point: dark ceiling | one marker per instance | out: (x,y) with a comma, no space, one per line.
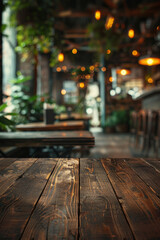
(72,18)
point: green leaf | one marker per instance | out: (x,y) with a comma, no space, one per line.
(2,107)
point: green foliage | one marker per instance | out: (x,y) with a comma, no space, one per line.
(5,123)
(29,108)
(117,117)
(102,39)
(34,24)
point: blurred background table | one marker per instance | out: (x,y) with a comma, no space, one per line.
(58,126)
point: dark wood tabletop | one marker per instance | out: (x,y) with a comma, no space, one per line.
(57,126)
(88,199)
(75,116)
(46,138)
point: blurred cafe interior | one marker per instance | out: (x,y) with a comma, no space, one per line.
(96,63)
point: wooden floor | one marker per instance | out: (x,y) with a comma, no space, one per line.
(87,199)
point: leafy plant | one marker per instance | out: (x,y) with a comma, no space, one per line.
(102,39)
(117,117)
(29,108)
(5,123)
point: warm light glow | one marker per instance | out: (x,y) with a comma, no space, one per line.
(111,79)
(88,76)
(108,51)
(91,68)
(64,68)
(150,61)
(150,80)
(135,53)
(58,69)
(60,57)
(123,72)
(83,69)
(103,69)
(109,22)
(81,85)
(158,28)
(74,51)
(63,91)
(97,15)
(131,33)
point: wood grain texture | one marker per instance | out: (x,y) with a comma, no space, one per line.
(18,202)
(101,216)
(147,173)
(140,205)
(56,214)
(5,162)
(153,162)
(9,175)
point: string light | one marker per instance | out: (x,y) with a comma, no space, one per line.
(74,51)
(91,68)
(103,69)
(135,53)
(83,69)
(109,22)
(108,51)
(58,69)
(150,80)
(131,33)
(97,15)
(63,92)
(60,57)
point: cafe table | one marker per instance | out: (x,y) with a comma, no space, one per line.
(57,126)
(72,198)
(61,142)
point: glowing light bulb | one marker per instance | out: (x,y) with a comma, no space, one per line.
(60,57)
(74,51)
(131,33)
(63,92)
(97,15)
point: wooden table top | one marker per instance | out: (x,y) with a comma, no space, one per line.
(44,138)
(75,116)
(79,199)
(41,126)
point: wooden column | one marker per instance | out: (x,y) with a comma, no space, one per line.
(102,92)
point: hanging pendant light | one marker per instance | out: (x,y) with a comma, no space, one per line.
(149,60)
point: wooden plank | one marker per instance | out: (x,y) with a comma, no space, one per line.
(10,174)
(147,173)
(5,162)
(153,162)
(18,202)
(140,205)
(56,214)
(101,216)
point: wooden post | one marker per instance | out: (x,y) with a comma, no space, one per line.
(102,92)
(1,73)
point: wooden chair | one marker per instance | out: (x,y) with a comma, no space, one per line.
(133,126)
(156,137)
(141,130)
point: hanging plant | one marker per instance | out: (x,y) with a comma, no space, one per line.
(101,39)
